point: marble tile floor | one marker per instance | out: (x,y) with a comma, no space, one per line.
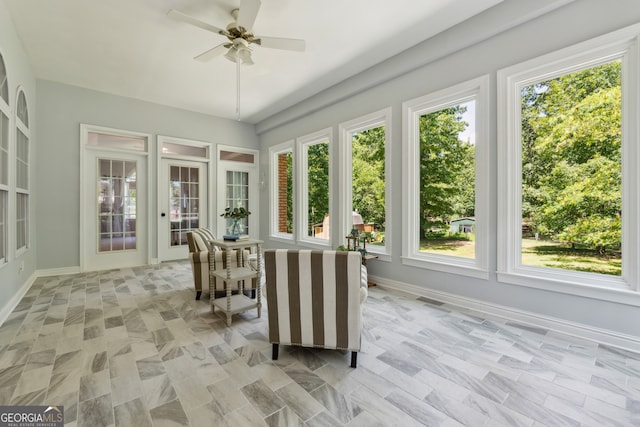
(132,347)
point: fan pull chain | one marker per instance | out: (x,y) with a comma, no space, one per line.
(237,87)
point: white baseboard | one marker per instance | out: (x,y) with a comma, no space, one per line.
(604,336)
(10,305)
(49,272)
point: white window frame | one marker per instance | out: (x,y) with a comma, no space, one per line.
(476,89)
(346,130)
(620,45)
(300,212)
(5,188)
(274,217)
(24,129)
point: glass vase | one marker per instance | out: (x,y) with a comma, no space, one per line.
(236,228)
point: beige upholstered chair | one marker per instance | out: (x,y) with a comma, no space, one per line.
(199,258)
(314,299)
(205,258)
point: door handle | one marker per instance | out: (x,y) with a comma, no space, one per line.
(163,214)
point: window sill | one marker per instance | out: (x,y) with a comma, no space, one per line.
(462,267)
(609,290)
(316,244)
(382,255)
(23,250)
(284,238)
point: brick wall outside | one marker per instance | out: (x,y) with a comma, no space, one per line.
(282,193)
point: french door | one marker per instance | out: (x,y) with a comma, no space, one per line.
(238,187)
(115,217)
(183,205)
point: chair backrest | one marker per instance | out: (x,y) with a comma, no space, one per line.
(209,236)
(197,241)
(314,298)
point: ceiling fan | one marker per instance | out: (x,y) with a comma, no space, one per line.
(239,34)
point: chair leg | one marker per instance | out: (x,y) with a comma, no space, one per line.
(198,293)
(354,358)
(274,352)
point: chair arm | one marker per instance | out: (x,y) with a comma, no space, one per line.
(364,284)
(201,257)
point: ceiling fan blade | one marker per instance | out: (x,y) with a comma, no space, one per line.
(297,45)
(179,16)
(248,13)
(211,53)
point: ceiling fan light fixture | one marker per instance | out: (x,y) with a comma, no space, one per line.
(240,36)
(239,52)
(231,55)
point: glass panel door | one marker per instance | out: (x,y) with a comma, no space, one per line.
(238,188)
(182,205)
(237,196)
(184,202)
(117,197)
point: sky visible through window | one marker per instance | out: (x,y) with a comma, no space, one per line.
(469,116)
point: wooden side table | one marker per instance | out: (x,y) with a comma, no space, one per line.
(232,304)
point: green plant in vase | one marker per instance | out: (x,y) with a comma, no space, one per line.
(236,214)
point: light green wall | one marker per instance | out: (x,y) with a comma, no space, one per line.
(61,110)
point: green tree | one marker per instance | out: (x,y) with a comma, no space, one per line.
(447,172)
(368,175)
(318,182)
(571,145)
(289,157)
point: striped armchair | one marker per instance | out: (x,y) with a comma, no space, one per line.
(204,258)
(314,299)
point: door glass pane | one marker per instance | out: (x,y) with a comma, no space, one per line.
(238,197)
(117,197)
(184,203)
(117,141)
(184,150)
(237,157)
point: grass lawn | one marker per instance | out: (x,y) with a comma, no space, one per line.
(543,253)
(538,253)
(461,248)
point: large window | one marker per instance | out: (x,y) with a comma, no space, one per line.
(282,190)
(22,173)
(314,223)
(446,179)
(568,203)
(4,160)
(364,168)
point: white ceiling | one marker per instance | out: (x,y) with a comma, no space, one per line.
(131,48)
